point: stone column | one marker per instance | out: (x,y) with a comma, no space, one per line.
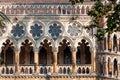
(112,69)
(55,52)
(106,68)
(36,61)
(17,61)
(118,70)
(94,61)
(74,61)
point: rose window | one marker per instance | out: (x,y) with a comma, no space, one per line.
(55,30)
(36,31)
(74,30)
(18,31)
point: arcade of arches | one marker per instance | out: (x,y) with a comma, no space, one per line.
(46,54)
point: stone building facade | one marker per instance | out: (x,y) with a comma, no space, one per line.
(46,41)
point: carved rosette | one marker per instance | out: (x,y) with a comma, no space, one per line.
(18,31)
(55,30)
(74,29)
(36,31)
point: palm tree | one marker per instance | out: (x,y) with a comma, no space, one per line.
(3,19)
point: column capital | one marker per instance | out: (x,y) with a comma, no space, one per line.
(55,49)
(74,49)
(36,49)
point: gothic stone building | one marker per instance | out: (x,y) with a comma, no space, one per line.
(46,41)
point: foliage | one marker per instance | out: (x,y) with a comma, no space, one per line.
(3,19)
(101,10)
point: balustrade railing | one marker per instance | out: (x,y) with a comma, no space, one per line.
(7,70)
(65,69)
(44,9)
(24,69)
(30,69)
(83,69)
(45,69)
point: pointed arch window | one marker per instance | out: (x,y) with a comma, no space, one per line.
(115,70)
(8,52)
(83,53)
(114,42)
(26,53)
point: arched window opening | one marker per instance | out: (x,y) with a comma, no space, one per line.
(115,43)
(68,71)
(7,53)
(64,10)
(45,70)
(45,53)
(60,70)
(115,68)
(30,70)
(43,56)
(64,70)
(79,70)
(105,43)
(67,56)
(59,10)
(83,71)
(3,71)
(68,10)
(78,10)
(78,56)
(22,70)
(41,71)
(109,67)
(31,56)
(11,71)
(83,10)
(119,45)
(83,54)
(8,10)
(87,71)
(109,42)
(26,53)
(101,69)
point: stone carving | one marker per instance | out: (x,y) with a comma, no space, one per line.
(55,30)
(2,31)
(36,31)
(18,31)
(64,44)
(74,29)
(46,45)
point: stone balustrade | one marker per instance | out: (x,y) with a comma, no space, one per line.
(29,69)
(44,9)
(26,69)
(9,70)
(45,69)
(83,69)
(66,69)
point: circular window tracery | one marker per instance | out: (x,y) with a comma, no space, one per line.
(36,31)
(55,30)
(74,29)
(18,31)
